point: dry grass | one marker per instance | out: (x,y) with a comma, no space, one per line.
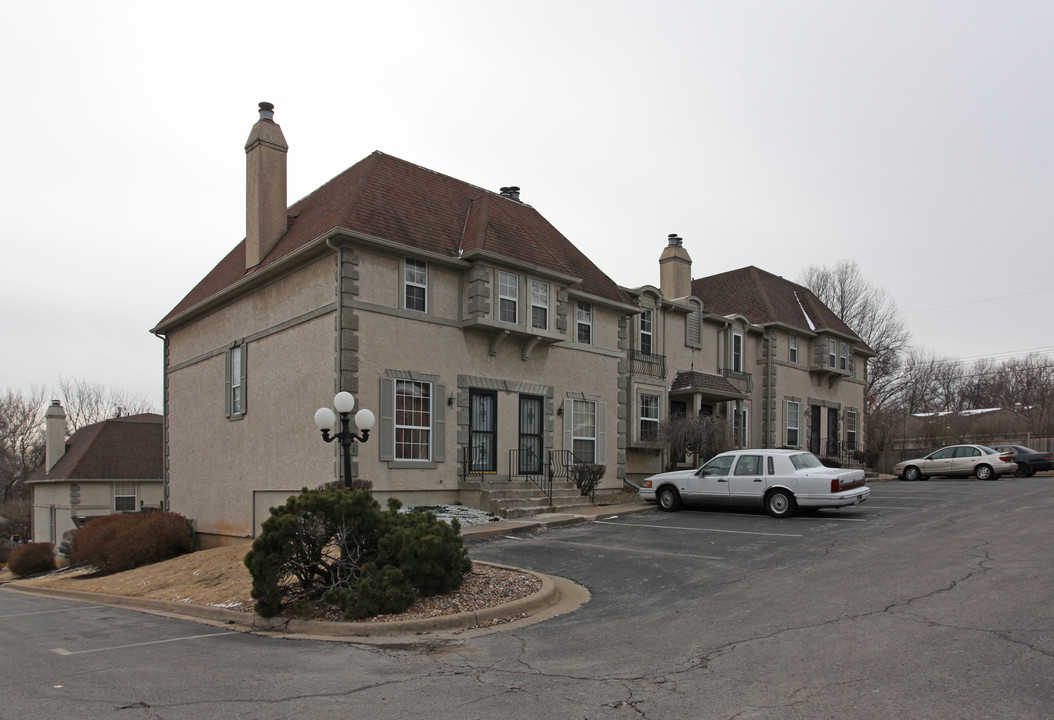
(219,578)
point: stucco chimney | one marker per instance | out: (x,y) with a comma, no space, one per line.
(675,269)
(55,432)
(265,193)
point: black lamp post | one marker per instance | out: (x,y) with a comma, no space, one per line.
(326,419)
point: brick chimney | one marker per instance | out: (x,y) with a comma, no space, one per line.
(675,269)
(55,435)
(265,195)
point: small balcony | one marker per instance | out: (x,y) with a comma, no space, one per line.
(647,364)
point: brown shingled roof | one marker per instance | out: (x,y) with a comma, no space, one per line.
(126,448)
(388,198)
(764,298)
(706,382)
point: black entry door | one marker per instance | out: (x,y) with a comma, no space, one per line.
(814,428)
(530,445)
(483,431)
(832,431)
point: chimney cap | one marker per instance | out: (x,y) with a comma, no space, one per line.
(266,111)
(511,192)
(672,239)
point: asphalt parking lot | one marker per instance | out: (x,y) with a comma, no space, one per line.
(930,600)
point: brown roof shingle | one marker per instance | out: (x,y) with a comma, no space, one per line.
(388,198)
(127,448)
(764,298)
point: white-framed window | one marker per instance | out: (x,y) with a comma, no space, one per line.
(415,285)
(851,421)
(125,498)
(647,320)
(792,349)
(649,418)
(793,412)
(737,352)
(413,420)
(235,399)
(743,420)
(843,356)
(584,323)
(832,353)
(508,297)
(539,305)
(584,430)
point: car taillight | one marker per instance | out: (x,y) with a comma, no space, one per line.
(840,484)
(1006,458)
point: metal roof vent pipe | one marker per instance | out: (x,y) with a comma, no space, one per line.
(512,193)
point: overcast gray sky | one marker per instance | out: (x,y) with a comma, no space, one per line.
(914,137)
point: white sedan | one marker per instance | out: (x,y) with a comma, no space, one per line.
(780,480)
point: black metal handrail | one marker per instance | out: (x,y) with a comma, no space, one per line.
(526,463)
(642,363)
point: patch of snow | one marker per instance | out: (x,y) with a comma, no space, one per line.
(462,513)
(807,318)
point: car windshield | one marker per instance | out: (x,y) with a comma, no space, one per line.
(802,461)
(987,450)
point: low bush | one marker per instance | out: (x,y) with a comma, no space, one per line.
(115,543)
(587,476)
(32,559)
(337,546)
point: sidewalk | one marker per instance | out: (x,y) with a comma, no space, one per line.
(543,521)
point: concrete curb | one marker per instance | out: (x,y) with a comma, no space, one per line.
(556,597)
(548,597)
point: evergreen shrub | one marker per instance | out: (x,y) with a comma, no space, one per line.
(337,546)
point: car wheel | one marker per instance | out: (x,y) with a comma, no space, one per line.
(780,503)
(669,499)
(984,472)
(912,473)
(1023,470)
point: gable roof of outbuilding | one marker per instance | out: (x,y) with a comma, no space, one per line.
(393,200)
(125,448)
(767,299)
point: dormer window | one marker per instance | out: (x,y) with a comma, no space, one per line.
(832,353)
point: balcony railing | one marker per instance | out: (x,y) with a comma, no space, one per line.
(641,363)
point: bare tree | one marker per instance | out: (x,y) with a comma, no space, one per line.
(87,402)
(872,314)
(21,440)
(702,436)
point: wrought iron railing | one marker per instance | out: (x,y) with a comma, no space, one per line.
(526,463)
(641,363)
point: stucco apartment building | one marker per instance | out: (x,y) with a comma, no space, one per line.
(483,340)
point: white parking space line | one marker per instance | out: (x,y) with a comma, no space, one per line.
(621,549)
(48,612)
(889,507)
(825,518)
(61,651)
(708,530)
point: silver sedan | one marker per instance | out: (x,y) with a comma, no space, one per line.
(980,461)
